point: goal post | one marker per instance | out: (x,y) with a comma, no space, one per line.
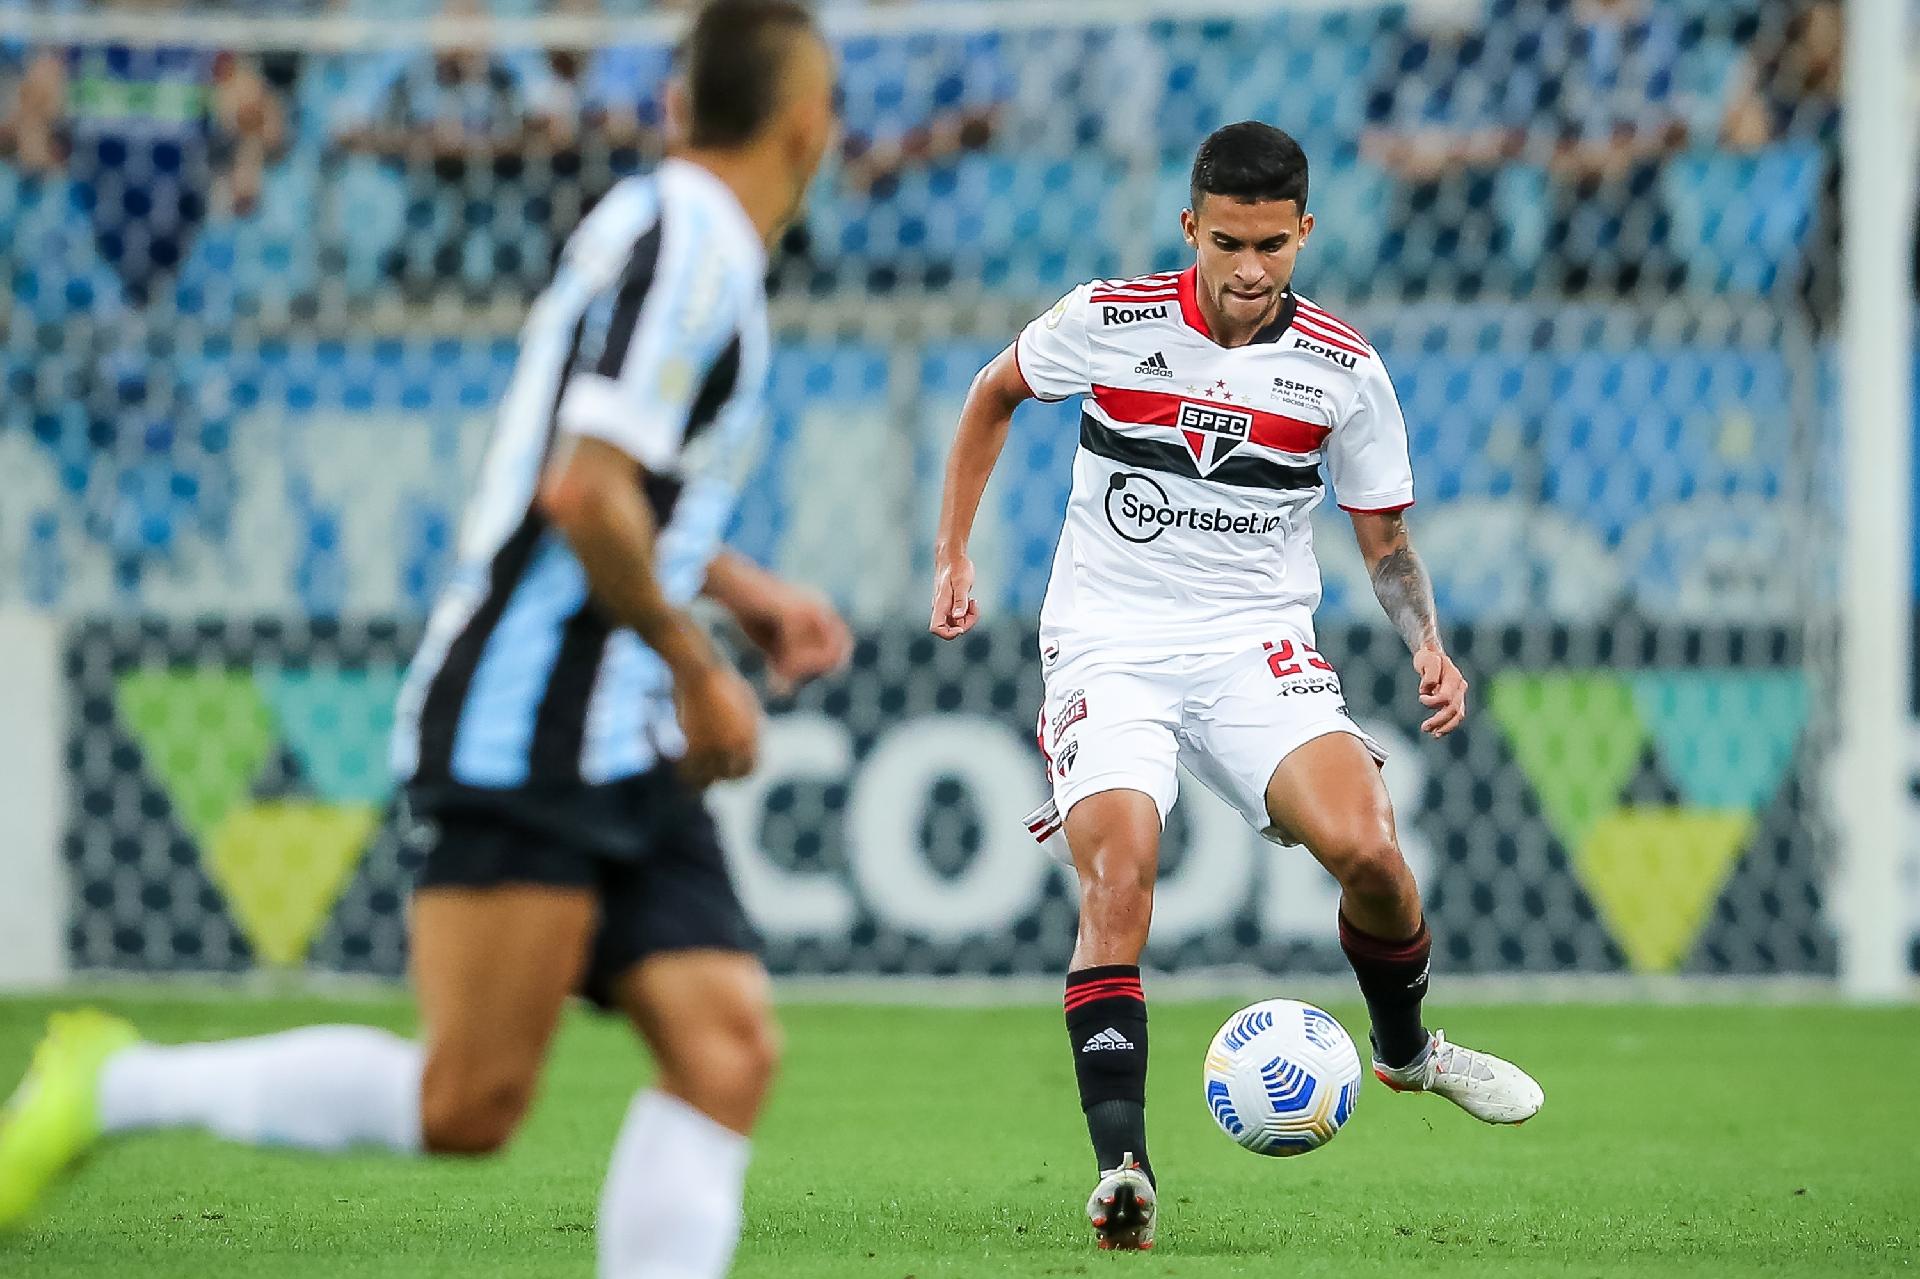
(1872,763)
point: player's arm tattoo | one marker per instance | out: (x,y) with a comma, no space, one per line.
(1405,592)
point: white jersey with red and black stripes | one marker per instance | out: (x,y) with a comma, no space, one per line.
(1199,464)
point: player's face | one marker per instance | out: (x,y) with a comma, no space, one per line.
(1245,252)
(812,122)
(809,120)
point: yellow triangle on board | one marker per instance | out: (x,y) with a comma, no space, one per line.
(1656,872)
(283,864)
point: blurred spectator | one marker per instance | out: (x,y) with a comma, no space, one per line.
(1082,87)
(623,94)
(150,141)
(146,136)
(472,131)
(1787,90)
(1613,68)
(1788,85)
(1450,112)
(913,106)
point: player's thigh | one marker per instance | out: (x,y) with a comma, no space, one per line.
(502,925)
(1111,726)
(1328,794)
(494,966)
(1255,723)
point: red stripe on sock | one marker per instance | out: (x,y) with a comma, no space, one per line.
(1356,942)
(1102,983)
(1093,992)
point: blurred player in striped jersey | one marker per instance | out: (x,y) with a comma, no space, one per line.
(1178,624)
(560,718)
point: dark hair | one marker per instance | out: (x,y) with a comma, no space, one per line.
(734,62)
(1250,161)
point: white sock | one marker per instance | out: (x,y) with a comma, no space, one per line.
(671,1205)
(319,1088)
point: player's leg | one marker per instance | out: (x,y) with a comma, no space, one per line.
(1108,732)
(1270,734)
(494,967)
(1327,793)
(672,1200)
(1115,839)
(677,956)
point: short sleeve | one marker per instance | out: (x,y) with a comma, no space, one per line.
(1052,350)
(1367,452)
(646,344)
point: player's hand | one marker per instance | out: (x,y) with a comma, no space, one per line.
(1443,689)
(803,638)
(954,608)
(721,719)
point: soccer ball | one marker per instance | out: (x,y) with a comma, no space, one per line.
(1281,1077)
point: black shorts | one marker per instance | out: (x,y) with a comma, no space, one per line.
(646,846)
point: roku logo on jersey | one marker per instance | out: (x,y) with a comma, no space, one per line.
(1112,315)
(1345,359)
(1138,510)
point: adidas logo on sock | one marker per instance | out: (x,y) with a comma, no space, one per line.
(1154,365)
(1108,1040)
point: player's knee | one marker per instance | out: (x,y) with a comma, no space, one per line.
(728,1068)
(1119,866)
(472,1109)
(1366,861)
(731,1078)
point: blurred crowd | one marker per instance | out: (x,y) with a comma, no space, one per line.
(1497,146)
(164,204)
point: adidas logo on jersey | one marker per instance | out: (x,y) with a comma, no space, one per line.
(1154,365)
(1108,1040)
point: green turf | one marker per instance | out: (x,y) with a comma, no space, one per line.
(944,1144)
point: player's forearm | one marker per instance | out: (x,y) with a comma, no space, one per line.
(750,594)
(1405,592)
(982,433)
(612,534)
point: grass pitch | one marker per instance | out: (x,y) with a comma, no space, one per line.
(918,1143)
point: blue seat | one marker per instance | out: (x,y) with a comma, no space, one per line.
(828,413)
(1469,421)
(1623,432)
(1744,222)
(1016,222)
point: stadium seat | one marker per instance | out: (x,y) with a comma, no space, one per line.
(1743,222)
(1025,224)
(1470,421)
(1623,432)
(832,471)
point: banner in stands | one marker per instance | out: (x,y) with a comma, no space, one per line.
(1625,798)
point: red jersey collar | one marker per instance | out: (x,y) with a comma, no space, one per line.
(1190,310)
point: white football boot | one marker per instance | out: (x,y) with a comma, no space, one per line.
(1490,1089)
(1122,1207)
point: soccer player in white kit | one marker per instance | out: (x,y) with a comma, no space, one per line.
(1178,623)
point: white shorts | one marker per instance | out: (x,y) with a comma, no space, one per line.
(1117,722)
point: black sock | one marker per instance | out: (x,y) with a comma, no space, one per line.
(1107,1032)
(1393,980)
